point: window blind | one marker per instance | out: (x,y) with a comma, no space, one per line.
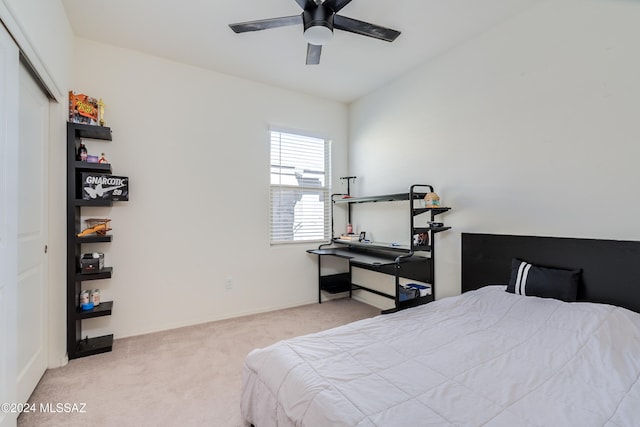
(300,193)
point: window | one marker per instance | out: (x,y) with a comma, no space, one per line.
(300,188)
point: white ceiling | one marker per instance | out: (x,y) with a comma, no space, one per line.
(196,32)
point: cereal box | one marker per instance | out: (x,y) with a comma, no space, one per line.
(83,109)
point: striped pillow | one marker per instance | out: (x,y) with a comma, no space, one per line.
(531,280)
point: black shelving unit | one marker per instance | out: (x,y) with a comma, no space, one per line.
(77,346)
(401,261)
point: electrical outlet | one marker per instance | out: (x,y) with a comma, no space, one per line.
(228,284)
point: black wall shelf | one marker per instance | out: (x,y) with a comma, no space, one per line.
(94,167)
(89,131)
(77,345)
(105,273)
(104,309)
(94,202)
(94,238)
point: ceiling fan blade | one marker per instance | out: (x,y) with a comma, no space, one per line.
(313,54)
(306,4)
(264,24)
(364,28)
(336,5)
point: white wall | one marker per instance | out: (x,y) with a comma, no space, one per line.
(195,145)
(42,32)
(530,128)
(44,36)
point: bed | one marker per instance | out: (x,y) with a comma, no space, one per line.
(485,358)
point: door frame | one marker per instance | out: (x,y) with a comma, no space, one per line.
(56,87)
(9,63)
(33,61)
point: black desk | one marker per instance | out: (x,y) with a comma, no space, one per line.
(385,259)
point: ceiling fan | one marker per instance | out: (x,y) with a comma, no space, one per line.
(319,19)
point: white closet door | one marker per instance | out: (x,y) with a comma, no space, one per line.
(33,287)
(8,222)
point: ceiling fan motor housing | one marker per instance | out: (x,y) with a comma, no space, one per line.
(318,16)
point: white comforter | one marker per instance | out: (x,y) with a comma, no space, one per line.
(483,358)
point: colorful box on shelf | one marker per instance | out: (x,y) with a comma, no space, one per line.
(96,186)
(83,109)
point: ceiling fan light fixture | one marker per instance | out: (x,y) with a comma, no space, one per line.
(318,35)
(318,25)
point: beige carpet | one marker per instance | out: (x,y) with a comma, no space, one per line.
(184,377)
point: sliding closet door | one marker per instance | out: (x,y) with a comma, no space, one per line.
(33,137)
(8,222)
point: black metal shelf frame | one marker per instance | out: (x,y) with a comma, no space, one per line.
(401,261)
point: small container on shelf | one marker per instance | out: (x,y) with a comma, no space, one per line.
(94,297)
(81,154)
(85,301)
(91,263)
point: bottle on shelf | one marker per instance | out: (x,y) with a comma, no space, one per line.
(82,153)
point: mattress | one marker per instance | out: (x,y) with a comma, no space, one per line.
(486,357)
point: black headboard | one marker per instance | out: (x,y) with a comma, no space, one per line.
(610,268)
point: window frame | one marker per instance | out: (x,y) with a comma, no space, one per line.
(275,235)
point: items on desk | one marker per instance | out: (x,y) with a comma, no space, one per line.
(351,236)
